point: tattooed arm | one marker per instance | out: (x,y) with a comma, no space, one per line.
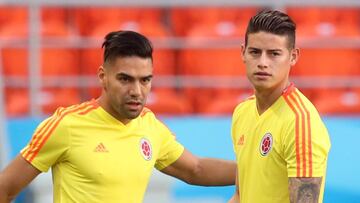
(304,190)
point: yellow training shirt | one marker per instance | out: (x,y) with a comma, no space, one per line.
(288,140)
(95,158)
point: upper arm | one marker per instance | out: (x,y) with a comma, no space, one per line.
(304,190)
(16,176)
(305,148)
(48,146)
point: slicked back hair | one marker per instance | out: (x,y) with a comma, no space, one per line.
(125,44)
(274,22)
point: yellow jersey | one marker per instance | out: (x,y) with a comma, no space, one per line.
(95,158)
(288,140)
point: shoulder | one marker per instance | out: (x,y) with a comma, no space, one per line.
(303,111)
(299,104)
(244,106)
(64,115)
(146,112)
(147,115)
(149,120)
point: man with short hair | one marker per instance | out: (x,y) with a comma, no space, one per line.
(279,139)
(104,150)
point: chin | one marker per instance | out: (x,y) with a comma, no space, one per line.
(261,84)
(133,115)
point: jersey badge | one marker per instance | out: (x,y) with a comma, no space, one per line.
(266,144)
(145,149)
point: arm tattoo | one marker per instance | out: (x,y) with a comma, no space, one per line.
(304,190)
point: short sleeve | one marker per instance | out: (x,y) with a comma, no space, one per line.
(306,147)
(48,145)
(235,117)
(170,149)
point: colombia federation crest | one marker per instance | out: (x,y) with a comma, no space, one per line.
(266,144)
(145,149)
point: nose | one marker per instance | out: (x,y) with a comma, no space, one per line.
(135,90)
(263,61)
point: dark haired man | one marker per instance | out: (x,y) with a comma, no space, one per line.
(280,141)
(104,150)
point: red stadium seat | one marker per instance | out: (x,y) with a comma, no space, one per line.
(220,23)
(165,101)
(339,101)
(337,61)
(325,21)
(217,62)
(187,19)
(54,61)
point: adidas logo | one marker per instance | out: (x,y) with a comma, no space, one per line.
(100,148)
(241,140)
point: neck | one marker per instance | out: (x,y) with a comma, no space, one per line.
(105,104)
(265,97)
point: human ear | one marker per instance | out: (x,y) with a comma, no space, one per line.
(295,53)
(101,73)
(243,48)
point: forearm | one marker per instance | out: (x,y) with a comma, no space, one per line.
(4,195)
(214,172)
(4,198)
(15,177)
(234,199)
(202,171)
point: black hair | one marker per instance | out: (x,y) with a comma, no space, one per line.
(126,43)
(274,22)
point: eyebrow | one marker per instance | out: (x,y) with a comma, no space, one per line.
(257,49)
(132,77)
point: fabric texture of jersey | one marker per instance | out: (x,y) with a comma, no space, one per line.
(288,140)
(96,158)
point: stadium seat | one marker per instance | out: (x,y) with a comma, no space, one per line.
(328,60)
(54,61)
(339,101)
(13,22)
(336,64)
(326,21)
(186,19)
(147,21)
(221,61)
(200,63)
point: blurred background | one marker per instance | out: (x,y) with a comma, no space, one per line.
(50,51)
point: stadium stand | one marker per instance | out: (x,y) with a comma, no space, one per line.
(326,62)
(54,61)
(208,49)
(213,24)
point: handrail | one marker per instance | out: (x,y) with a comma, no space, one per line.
(181,81)
(172,42)
(185,3)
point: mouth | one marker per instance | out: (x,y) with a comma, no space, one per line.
(134,105)
(262,75)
